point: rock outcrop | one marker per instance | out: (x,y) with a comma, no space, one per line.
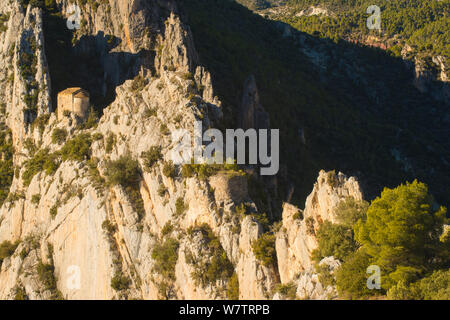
(253,114)
(24,82)
(296,239)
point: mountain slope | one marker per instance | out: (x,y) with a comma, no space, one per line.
(356,106)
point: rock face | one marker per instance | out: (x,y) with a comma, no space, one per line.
(82,238)
(24,82)
(431,76)
(296,239)
(253,114)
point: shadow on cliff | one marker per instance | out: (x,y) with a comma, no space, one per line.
(90,62)
(357,112)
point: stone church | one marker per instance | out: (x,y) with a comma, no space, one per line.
(75,100)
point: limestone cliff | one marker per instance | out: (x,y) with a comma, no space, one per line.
(79,236)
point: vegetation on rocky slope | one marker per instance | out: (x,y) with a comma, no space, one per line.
(264,250)
(126,172)
(413,21)
(6,162)
(6,250)
(213,265)
(165,255)
(400,232)
(43,160)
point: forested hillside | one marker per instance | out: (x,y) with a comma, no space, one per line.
(424,24)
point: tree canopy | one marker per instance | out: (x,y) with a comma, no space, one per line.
(402,233)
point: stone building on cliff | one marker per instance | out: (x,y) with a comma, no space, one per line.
(74,100)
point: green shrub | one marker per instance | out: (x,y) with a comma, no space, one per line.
(187,171)
(43,160)
(6,163)
(326,278)
(28,68)
(125,172)
(349,211)
(310,226)
(262,219)
(3,22)
(241,211)
(94,175)
(150,112)
(331,178)
(206,170)
(166,256)
(23,253)
(162,190)
(15,196)
(110,142)
(138,83)
(35,199)
(433,287)
(164,129)
(20,293)
(29,145)
(7,249)
(46,275)
(151,157)
(54,210)
(59,136)
(92,119)
(108,227)
(288,290)
(167,229)
(334,240)
(264,249)
(97,136)
(40,122)
(298,215)
(180,207)
(188,76)
(351,277)
(78,148)
(169,170)
(216,266)
(120,282)
(178,118)
(233,287)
